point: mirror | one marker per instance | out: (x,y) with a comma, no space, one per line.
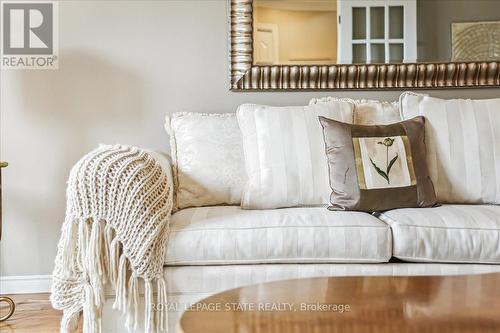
(326,32)
(363,44)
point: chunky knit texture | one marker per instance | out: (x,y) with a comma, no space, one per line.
(115,232)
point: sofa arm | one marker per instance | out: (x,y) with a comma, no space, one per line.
(119,202)
(95,176)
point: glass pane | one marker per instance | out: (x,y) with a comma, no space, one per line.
(378,53)
(396,53)
(396,21)
(377,22)
(359,54)
(358,23)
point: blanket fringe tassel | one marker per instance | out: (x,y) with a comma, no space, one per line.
(93,249)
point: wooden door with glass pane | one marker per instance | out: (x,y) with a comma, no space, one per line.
(377,31)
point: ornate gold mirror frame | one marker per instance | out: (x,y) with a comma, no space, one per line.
(246,76)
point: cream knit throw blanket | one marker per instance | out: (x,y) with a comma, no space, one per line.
(115,232)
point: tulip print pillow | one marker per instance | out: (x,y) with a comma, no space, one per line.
(377,168)
(383,162)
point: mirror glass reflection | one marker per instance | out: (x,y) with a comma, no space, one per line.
(312,32)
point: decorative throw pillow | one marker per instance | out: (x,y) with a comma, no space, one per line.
(284,154)
(367,111)
(377,168)
(463,146)
(208,162)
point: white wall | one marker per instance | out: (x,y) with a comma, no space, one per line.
(123,66)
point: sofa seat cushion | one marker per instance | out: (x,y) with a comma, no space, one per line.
(449,233)
(231,235)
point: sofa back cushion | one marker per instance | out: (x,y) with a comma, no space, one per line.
(463,143)
(368,112)
(285,153)
(208,163)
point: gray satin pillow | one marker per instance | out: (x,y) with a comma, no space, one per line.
(377,168)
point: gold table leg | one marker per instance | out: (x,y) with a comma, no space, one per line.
(8,300)
(12,307)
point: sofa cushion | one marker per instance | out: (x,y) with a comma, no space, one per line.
(208,162)
(372,112)
(285,154)
(368,111)
(449,233)
(463,153)
(231,235)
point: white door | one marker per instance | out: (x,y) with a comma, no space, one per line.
(377,31)
(266,44)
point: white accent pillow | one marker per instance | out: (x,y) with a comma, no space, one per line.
(367,111)
(463,146)
(208,162)
(371,112)
(285,154)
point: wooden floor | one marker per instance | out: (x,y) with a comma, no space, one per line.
(34,314)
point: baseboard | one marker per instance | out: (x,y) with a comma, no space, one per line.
(25,284)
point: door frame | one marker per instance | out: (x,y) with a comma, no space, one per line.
(273,28)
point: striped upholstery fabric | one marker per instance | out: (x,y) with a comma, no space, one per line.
(231,235)
(368,111)
(463,142)
(285,154)
(450,233)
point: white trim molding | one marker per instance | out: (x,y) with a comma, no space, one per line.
(25,284)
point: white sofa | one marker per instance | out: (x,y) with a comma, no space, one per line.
(215,248)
